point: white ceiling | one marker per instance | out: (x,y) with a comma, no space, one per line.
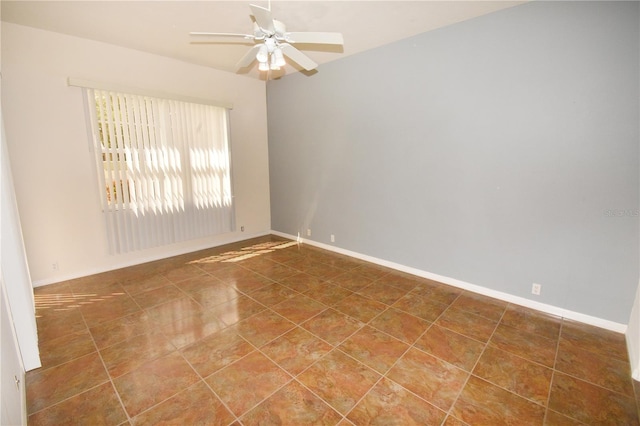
(162,27)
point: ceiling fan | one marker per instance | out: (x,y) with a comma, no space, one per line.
(273,42)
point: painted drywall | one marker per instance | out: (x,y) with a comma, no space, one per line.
(633,336)
(501,151)
(14,269)
(49,149)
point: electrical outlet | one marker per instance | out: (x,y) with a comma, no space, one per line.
(536,288)
(242,228)
(333,238)
(55,266)
(308,232)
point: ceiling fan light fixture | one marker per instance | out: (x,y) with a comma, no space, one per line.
(263,54)
(278,58)
(263,66)
(275,66)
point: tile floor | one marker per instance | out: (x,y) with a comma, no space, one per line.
(269,332)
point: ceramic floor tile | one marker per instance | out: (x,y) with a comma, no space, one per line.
(97,406)
(420,306)
(46,387)
(332,326)
(300,262)
(518,375)
(256,263)
(594,339)
(437,292)
(135,352)
(299,308)
(214,296)
(468,324)
(483,306)
(360,308)
(406,283)
(52,290)
(211,263)
(182,273)
(57,323)
(482,403)
(293,405)
(237,310)
(199,283)
(324,271)
(99,310)
(248,284)
(65,348)
(329,294)
(174,310)
(96,286)
(139,285)
(273,294)
(296,350)
(196,405)
(263,327)
(388,403)
(302,282)
(286,255)
(157,296)
(450,346)
(432,379)
(339,380)
(382,293)
(530,346)
(400,325)
(216,351)
(154,382)
(345,263)
(372,271)
(532,322)
(608,372)
(591,404)
(374,348)
(452,421)
(191,329)
(245,383)
(352,280)
(121,329)
(276,271)
(236,274)
(556,419)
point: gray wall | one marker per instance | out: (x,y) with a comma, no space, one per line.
(500,151)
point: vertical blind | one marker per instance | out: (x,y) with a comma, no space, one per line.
(164,169)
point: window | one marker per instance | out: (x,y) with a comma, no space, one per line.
(163,169)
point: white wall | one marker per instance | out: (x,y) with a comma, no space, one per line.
(14,268)
(55,182)
(633,337)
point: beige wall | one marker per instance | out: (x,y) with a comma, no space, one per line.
(46,133)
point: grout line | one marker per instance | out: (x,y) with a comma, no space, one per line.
(104,365)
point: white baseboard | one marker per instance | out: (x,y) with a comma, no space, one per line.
(139,261)
(542,307)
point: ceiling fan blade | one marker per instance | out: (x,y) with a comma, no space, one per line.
(248,58)
(314,38)
(263,18)
(247,36)
(298,57)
